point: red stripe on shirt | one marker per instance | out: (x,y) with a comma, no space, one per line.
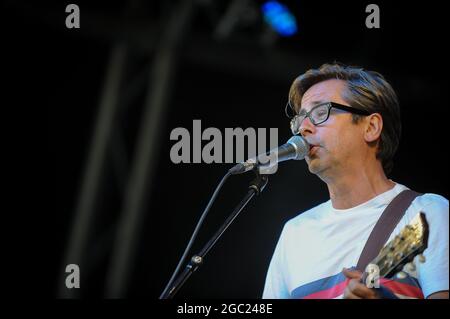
(402,288)
(394,286)
(329,293)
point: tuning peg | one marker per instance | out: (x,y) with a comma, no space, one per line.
(410,267)
(401,275)
(400,255)
(422,258)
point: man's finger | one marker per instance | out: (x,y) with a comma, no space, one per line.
(352,274)
(361,290)
(348,294)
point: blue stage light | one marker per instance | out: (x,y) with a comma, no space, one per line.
(279,18)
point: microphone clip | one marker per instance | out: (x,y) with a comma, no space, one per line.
(260,181)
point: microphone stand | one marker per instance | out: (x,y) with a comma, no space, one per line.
(255,188)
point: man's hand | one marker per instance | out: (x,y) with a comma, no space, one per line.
(355,289)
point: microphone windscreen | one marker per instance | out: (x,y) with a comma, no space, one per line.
(300,145)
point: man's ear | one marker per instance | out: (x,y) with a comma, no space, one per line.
(373,127)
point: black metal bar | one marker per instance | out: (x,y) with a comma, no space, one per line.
(255,188)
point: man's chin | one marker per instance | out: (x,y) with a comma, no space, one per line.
(314,165)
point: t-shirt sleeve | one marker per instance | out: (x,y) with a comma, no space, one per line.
(275,285)
(433,273)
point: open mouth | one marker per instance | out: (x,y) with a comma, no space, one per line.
(312,148)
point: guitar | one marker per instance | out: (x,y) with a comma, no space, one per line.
(400,251)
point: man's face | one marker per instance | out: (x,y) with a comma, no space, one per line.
(337,143)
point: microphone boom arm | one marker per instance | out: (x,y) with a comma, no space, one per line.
(255,188)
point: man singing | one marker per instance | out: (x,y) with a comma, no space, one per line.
(351,119)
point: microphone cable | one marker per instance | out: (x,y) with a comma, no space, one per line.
(194,234)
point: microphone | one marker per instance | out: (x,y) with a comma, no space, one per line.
(296,148)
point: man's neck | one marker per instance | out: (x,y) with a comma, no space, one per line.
(353,189)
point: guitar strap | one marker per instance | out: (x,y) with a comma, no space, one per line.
(385,226)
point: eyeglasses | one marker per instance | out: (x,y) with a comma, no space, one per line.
(320,113)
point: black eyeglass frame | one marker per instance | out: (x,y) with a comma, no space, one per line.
(330,106)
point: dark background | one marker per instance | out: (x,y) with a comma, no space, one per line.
(238,79)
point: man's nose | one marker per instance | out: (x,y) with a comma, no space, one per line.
(307,128)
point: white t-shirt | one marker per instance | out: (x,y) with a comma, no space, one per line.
(316,245)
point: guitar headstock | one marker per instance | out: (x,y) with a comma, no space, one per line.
(410,242)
